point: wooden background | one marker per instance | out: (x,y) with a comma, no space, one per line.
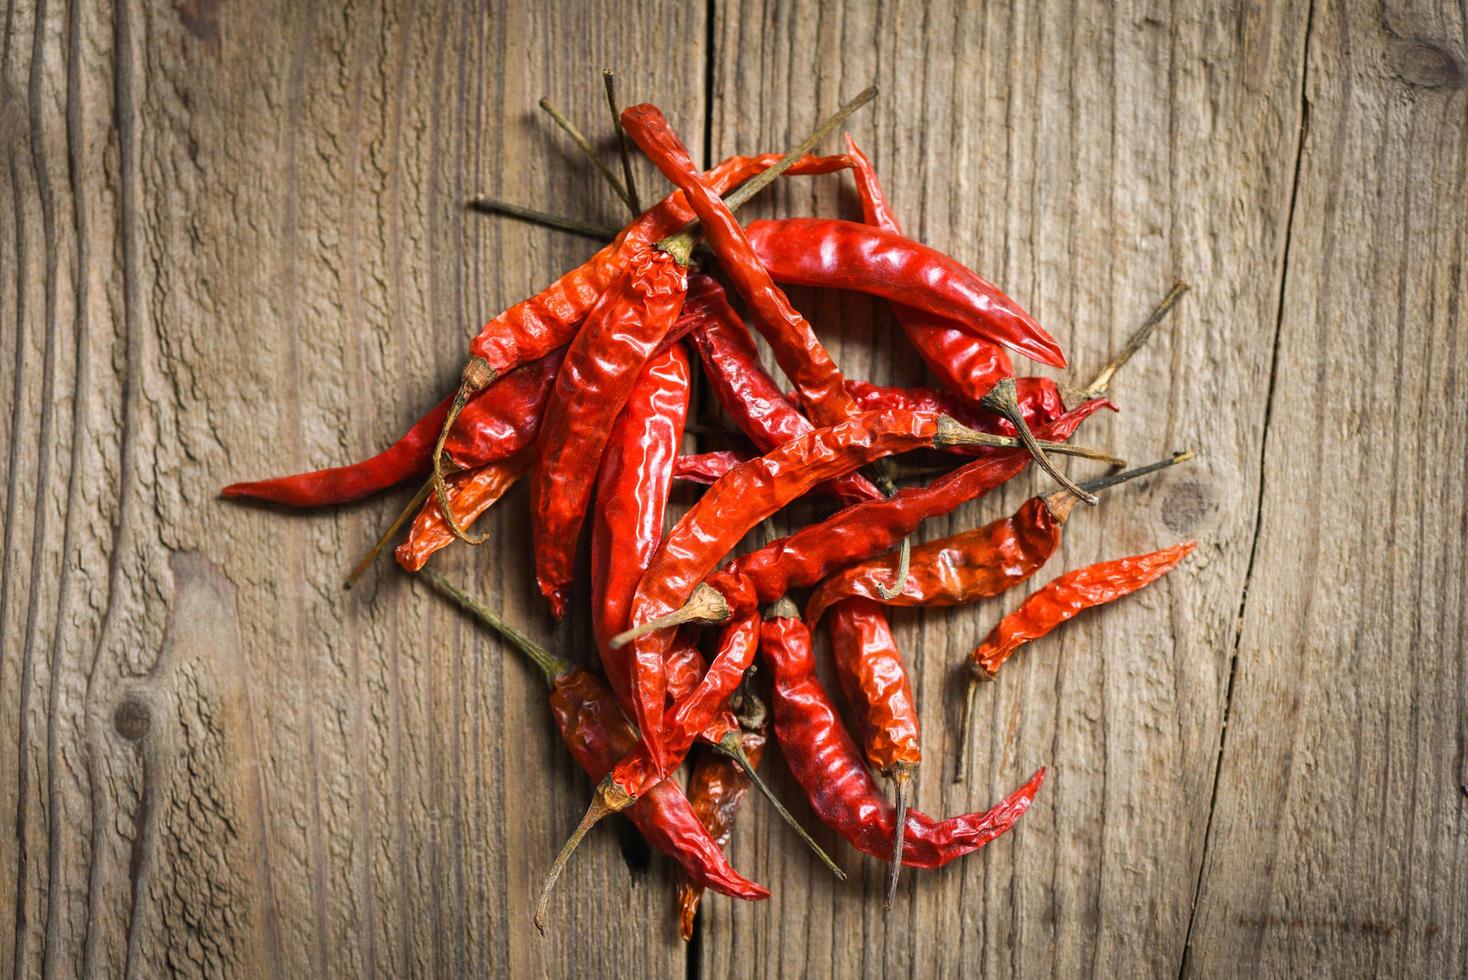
(233,243)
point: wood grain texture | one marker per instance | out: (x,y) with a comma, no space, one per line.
(232,242)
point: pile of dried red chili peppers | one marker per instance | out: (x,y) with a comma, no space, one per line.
(585,388)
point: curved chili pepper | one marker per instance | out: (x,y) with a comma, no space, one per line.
(973,564)
(470,494)
(715,790)
(495,425)
(632,496)
(828,766)
(732,507)
(750,396)
(836,254)
(870,528)
(965,365)
(598,734)
(600,368)
(797,350)
(1070,594)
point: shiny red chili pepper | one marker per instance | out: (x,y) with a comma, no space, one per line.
(470,494)
(750,396)
(828,766)
(836,254)
(733,506)
(632,496)
(1068,595)
(495,425)
(965,365)
(870,528)
(796,348)
(601,366)
(715,790)
(598,734)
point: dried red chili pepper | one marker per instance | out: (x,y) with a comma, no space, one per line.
(497,424)
(874,676)
(965,365)
(708,467)
(750,396)
(601,366)
(826,763)
(715,790)
(598,734)
(471,494)
(1053,604)
(632,496)
(1065,597)
(974,564)
(796,348)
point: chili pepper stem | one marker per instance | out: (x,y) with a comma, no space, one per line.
(493,205)
(587,150)
(1060,502)
(966,731)
(729,746)
(361,567)
(1102,381)
(899,580)
(954,433)
(901,777)
(706,605)
(680,243)
(609,799)
(477,376)
(549,664)
(1002,399)
(608,81)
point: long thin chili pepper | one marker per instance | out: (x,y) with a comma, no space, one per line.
(973,564)
(874,676)
(497,424)
(1054,603)
(965,365)
(548,320)
(471,494)
(632,496)
(828,766)
(597,733)
(715,790)
(797,350)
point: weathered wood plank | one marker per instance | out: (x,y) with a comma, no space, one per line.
(1084,157)
(1339,842)
(234,243)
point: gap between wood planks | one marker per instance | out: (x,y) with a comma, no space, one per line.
(1233,662)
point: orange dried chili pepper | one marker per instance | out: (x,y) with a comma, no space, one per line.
(470,494)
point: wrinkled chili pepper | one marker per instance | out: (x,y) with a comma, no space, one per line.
(471,494)
(874,676)
(796,348)
(601,366)
(707,467)
(974,564)
(835,254)
(497,424)
(828,766)
(632,496)
(715,790)
(598,734)
(1070,594)
(965,365)
(750,396)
